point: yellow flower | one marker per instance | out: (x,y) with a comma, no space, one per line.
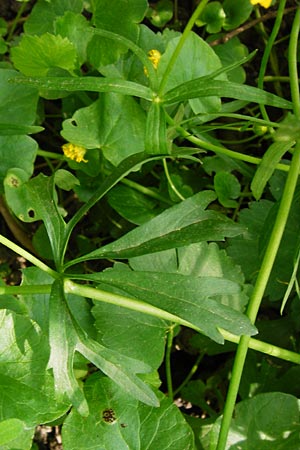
(264,3)
(74,152)
(154,56)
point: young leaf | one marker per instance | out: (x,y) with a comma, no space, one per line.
(180,225)
(35,55)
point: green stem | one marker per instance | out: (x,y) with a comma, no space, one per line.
(180,44)
(171,184)
(16,20)
(220,150)
(264,347)
(267,52)
(119,300)
(191,373)
(169,346)
(26,290)
(272,248)
(20,251)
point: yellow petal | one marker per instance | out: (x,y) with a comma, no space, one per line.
(74,152)
(264,3)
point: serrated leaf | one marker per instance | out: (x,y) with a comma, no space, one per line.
(197,260)
(120,422)
(49,12)
(35,55)
(180,225)
(190,298)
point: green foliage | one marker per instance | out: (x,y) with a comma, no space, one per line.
(135,247)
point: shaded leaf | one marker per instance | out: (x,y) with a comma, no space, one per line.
(121,422)
(180,225)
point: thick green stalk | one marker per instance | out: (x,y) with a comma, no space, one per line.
(169,346)
(20,251)
(268,51)
(272,247)
(180,44)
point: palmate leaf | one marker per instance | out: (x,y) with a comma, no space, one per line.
(187,297)
(180,225)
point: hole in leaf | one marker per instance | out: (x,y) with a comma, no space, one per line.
(74,123)
(31,213)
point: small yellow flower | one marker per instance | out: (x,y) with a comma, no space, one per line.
(74,152)
(154,56)
(264,3)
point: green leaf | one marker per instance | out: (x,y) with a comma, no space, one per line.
(66,337)
(44,14)
(76,29)
(213,16)
(92,84)
(203,87)
(35,55)
(131,204)
(115,124)
(236,16)
(131,333)
(63,339)
(197,260)
(161,13)
(26,386)
(267,421)
(156,131)
(36,200)
(190,298)
(267,166)
(177,226)
(120,422)
(10,430)
(65,179)
(195,60)
(230,52)
(12,129)
(102,51)
(11,147)
(17,103)
(227,188)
